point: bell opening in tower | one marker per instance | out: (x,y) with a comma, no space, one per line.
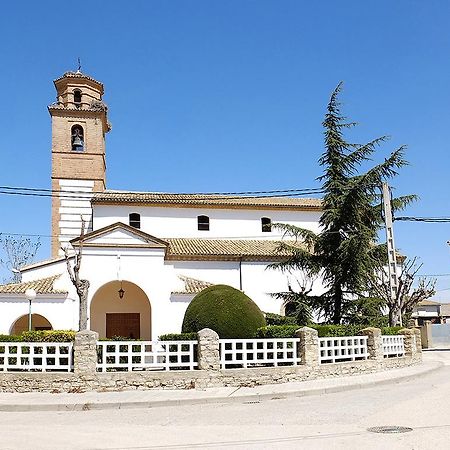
(77,138)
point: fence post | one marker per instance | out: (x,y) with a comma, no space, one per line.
(418,340)
(208,350)
(308,349)
(374,342)
(426,336)
(85,353)
(409,341)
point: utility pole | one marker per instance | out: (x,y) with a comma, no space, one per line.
(392,257)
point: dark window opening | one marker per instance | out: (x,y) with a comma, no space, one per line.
(134,219)
(266,225)
(77,138)
(203,223)
(77,98)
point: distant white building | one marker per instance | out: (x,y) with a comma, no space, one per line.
(159,249)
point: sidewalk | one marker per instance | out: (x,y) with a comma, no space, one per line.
(19,402)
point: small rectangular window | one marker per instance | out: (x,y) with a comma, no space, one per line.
(203,223)
(266,225)
(134,220)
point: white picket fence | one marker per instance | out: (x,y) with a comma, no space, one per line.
(146,355)
(341,349)
(36,356)
(182,355)
(258,352)
(393,346)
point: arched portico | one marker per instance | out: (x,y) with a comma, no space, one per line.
(129,316)
(38,322)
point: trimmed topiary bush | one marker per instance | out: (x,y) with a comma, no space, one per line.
(227,311)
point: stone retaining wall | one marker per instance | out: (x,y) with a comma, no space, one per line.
(84,378)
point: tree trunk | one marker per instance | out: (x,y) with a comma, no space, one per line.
(82,291)
(337,299)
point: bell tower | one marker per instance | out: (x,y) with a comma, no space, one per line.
(79,125)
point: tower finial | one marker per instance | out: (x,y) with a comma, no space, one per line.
(79,65)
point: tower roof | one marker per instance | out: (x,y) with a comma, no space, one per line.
(78,74)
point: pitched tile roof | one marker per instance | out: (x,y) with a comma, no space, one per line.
(224,249)
(191,285)
(189,200)
(42,286)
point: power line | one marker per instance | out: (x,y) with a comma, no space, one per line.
(423,219)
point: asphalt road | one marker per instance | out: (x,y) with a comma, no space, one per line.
(331,421)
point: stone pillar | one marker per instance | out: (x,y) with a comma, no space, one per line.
(208,350)
(426,337)
(409,341)
(418,340)
(308,349)
(85,353)
(374,342)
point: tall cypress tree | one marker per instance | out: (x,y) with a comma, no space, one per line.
(344,253)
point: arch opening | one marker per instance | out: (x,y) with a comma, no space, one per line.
(38,323)
(112,316)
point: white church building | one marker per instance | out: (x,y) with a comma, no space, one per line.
(145,254)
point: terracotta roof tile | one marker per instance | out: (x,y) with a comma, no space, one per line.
(191,285)
(250,249)
(42,286)
(159,198)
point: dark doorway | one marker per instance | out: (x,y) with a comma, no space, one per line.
(123,324)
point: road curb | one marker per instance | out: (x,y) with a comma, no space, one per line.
(235,397)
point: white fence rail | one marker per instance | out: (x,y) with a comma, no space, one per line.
(146,355)
(393,346)
(342,349)
(36,356)
(257,352)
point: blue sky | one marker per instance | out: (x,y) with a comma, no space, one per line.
(218,96)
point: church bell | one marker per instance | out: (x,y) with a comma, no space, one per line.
(77,142)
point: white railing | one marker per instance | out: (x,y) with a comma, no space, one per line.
(341,349)
(36,356)
(146,355)
(257,352)
(393,346)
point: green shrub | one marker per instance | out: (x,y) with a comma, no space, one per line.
(178,337)
(391,330)
(119,338)
(227,311)
(9,338)
(288,331)
(277,331)
(336,330)
(48,336)
(277,319)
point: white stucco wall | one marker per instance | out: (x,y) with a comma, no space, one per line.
(224,223)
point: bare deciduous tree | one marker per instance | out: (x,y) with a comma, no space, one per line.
(18,252)
(81,286)
(407,297)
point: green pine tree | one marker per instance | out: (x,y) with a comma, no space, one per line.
(344,253)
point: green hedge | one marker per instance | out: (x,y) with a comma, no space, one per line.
(288,331)
(277,319)
(48,336)
(40,336)
(178,337)
(10,338)
(277,331)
